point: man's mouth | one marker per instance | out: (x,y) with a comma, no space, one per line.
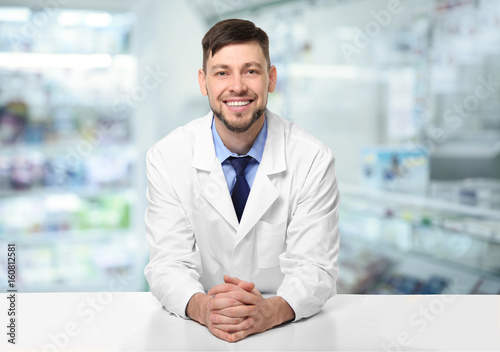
(237,103)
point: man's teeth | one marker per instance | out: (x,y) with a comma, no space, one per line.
(238,103)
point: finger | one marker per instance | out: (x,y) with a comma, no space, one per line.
(257,293)
(246,324)
(238,311)
(231,280)
(220,303)
(240,335)
(247,286)
(223,288)
(240,296)
(220,334)
(216,318)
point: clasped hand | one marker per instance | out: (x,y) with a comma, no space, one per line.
(237,309)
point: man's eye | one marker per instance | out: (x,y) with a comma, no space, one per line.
(252,72)
(220,74)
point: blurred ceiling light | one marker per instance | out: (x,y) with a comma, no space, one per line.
(323,71)
(124,61)
(14,14)
(31,60)
(98,20)
(70,18)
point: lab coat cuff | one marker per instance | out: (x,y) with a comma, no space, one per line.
(179,304)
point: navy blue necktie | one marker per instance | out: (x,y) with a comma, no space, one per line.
(241,188)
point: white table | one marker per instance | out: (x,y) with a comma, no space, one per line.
(51,322)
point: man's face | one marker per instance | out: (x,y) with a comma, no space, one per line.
(237,82)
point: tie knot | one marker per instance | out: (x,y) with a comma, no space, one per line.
(240,164)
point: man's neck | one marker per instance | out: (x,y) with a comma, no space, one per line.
(239,143)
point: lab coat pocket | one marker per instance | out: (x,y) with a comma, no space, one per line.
(270,243)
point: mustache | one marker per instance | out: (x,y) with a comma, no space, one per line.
(239,97)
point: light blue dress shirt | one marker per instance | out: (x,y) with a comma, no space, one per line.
(255,152)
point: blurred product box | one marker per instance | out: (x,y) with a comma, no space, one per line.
(396,169)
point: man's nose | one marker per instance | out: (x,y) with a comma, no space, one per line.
(237,84)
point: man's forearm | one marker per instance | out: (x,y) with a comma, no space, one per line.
(282,312)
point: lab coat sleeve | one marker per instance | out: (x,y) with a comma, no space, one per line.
(175,263)
(309,263)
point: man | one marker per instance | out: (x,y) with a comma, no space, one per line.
(244,196)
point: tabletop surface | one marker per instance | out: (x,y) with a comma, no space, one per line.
(114,321)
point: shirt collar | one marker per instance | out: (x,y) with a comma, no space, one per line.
(255,152)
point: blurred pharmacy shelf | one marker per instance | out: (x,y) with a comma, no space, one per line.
(431,204)
(413,244)
(68,160)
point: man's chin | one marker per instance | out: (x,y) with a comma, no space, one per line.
(238,127)
(238,122)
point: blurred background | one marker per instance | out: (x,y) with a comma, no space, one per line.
(406,94)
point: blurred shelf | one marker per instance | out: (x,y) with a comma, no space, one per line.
(71,237)
(68,160)
(238,9)
(101,283)
(418,201)
(82,192)
(459,240)
(29,61)
(338,72)
(94,5)
(368,267)
(65,146)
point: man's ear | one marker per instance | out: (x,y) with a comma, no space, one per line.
(202,82)
(273,75)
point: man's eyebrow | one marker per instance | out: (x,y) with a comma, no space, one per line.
(225,67)
(219,66)
(253,63)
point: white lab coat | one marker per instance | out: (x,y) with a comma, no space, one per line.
(287,242)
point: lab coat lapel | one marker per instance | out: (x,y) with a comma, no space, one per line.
(263,193)
(213,185)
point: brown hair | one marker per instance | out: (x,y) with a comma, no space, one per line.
(233,31)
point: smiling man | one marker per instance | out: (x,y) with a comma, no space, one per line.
(242,203)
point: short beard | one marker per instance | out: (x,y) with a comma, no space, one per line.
(255,117)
